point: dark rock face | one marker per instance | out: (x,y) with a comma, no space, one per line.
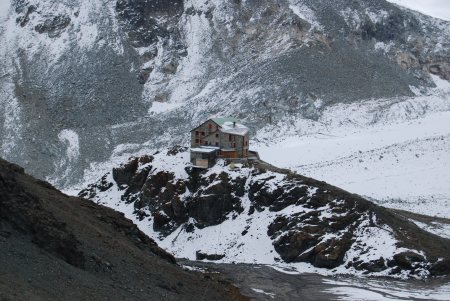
(394,27)
(24,12)
(300,236)
(310,221)
(127,173)
(24,211)
(211,206)
(140,19)
(160,192)
(53,244)
(440,268)
(408,260)
(54,25)
(202,256)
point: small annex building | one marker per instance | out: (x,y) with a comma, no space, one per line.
(219,138)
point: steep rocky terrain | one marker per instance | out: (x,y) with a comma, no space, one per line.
(256,213)
(78,76)
(56,247)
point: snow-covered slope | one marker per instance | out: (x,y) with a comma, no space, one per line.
(436,8)
(101,70)
(395,151)
(260,214)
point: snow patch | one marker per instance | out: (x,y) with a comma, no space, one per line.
(440,83)
(70,139)
(260,291)
(305,13)
(383,46)
(5,6)
(163,107)
(392,290)
(436,228)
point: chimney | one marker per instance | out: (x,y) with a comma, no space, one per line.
(234,124)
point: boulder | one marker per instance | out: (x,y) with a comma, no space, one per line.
(440,268)
(202,256)
(408,260)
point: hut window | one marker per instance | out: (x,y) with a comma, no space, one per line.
(196,140)
(217,143)
(196,133)
(217,135)
(203,133)
(229,137)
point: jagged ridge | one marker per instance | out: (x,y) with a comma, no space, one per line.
(244,213)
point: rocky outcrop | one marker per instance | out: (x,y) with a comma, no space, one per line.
(54,25)
(305,220)
(141,19)
(202,256)
(53,244)
(25,212)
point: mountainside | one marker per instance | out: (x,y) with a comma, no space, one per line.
(78,76)
(394,151)
(257,213)
(56,247)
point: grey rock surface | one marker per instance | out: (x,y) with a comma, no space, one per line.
(78,78)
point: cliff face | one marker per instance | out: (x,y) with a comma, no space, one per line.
(52,245)
(78,76)
(257,213)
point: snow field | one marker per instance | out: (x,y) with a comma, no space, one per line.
(397,153)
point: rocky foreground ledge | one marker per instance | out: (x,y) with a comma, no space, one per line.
(256,213)
(56,247)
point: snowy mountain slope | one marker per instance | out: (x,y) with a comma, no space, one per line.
(394,151)
(102,69)
(261,214)
(437,8)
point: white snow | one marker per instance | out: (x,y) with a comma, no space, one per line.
(382,290)
(435,8)
(163,107)
(305,13)
(396,151)
(70,138)
(260,291)
(383,46)
(5,6)
(437,228)
(372,243)
(235,129)
(12,126)
(69,142)
(197,34)
(376,16)
(441,84)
